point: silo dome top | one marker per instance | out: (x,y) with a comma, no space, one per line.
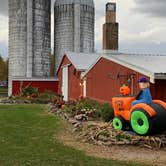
(83,2)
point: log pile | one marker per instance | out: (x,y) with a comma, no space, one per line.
(105,134)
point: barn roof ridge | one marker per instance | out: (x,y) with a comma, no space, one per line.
(151,65)
(80,60)
(142,54)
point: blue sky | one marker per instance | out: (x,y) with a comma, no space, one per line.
(142,26)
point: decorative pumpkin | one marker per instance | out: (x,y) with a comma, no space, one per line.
(125,90)
(63,106)
(28,97)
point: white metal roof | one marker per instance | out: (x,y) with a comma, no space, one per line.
(153,66)
(82,61)
(83,2)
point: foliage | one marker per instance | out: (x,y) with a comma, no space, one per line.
(86,103)
(47,95)
(106,112)
(100,110)
(29,90)
(3,69)
(27,135)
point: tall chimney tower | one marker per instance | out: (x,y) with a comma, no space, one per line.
(110,28)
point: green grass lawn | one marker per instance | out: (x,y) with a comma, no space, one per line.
(27,139)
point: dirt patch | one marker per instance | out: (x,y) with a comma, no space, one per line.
(124,153)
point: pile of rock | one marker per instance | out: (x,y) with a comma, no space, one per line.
(77,121)
(101,133)
(14,100)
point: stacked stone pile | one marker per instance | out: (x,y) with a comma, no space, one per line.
(100,133)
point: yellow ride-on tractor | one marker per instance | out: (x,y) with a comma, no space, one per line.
(143,118)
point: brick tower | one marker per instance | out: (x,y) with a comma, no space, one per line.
(110,28)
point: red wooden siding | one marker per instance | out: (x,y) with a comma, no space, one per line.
(103,83)
(41,85)
(158,90)
(74,88)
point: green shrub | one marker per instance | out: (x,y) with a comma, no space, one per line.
(98,113)
(29,90)
(106,112)
(100,110)
(47,95)
(86,103)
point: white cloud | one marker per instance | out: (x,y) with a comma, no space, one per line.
(152,8)
(155,35)
(3,35)
(137,30)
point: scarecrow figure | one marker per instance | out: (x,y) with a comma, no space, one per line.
(144,96)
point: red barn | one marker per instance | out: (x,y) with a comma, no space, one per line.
(48,84)
(104,78)
(72,66)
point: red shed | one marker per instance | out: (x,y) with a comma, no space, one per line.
(50,84)
(104,78)
(72,66)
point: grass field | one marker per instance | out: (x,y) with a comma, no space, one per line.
(27,138)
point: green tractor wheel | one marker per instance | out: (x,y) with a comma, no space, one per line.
(118,123)
(139,122)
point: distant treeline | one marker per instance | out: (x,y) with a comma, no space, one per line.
(3,69)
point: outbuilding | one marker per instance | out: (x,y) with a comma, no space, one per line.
(110,71)
(69,73)
(42,84)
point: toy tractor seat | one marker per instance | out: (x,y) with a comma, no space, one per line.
(144,119)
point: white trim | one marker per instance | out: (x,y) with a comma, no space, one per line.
(65,82)
(66,65)
(84,88)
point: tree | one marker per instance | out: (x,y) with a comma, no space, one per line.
(3,69)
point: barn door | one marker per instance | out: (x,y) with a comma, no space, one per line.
(65,83)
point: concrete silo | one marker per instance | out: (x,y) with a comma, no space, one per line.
(74,27)
(29,39)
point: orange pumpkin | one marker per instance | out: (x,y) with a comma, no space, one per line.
(28,97)
(125,90)
(63,107)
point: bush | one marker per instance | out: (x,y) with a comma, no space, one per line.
(101,110)
(29,91)
(98,113)
(86,103)
(107,112)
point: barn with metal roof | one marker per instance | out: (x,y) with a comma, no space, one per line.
(72,66)
(110,71)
